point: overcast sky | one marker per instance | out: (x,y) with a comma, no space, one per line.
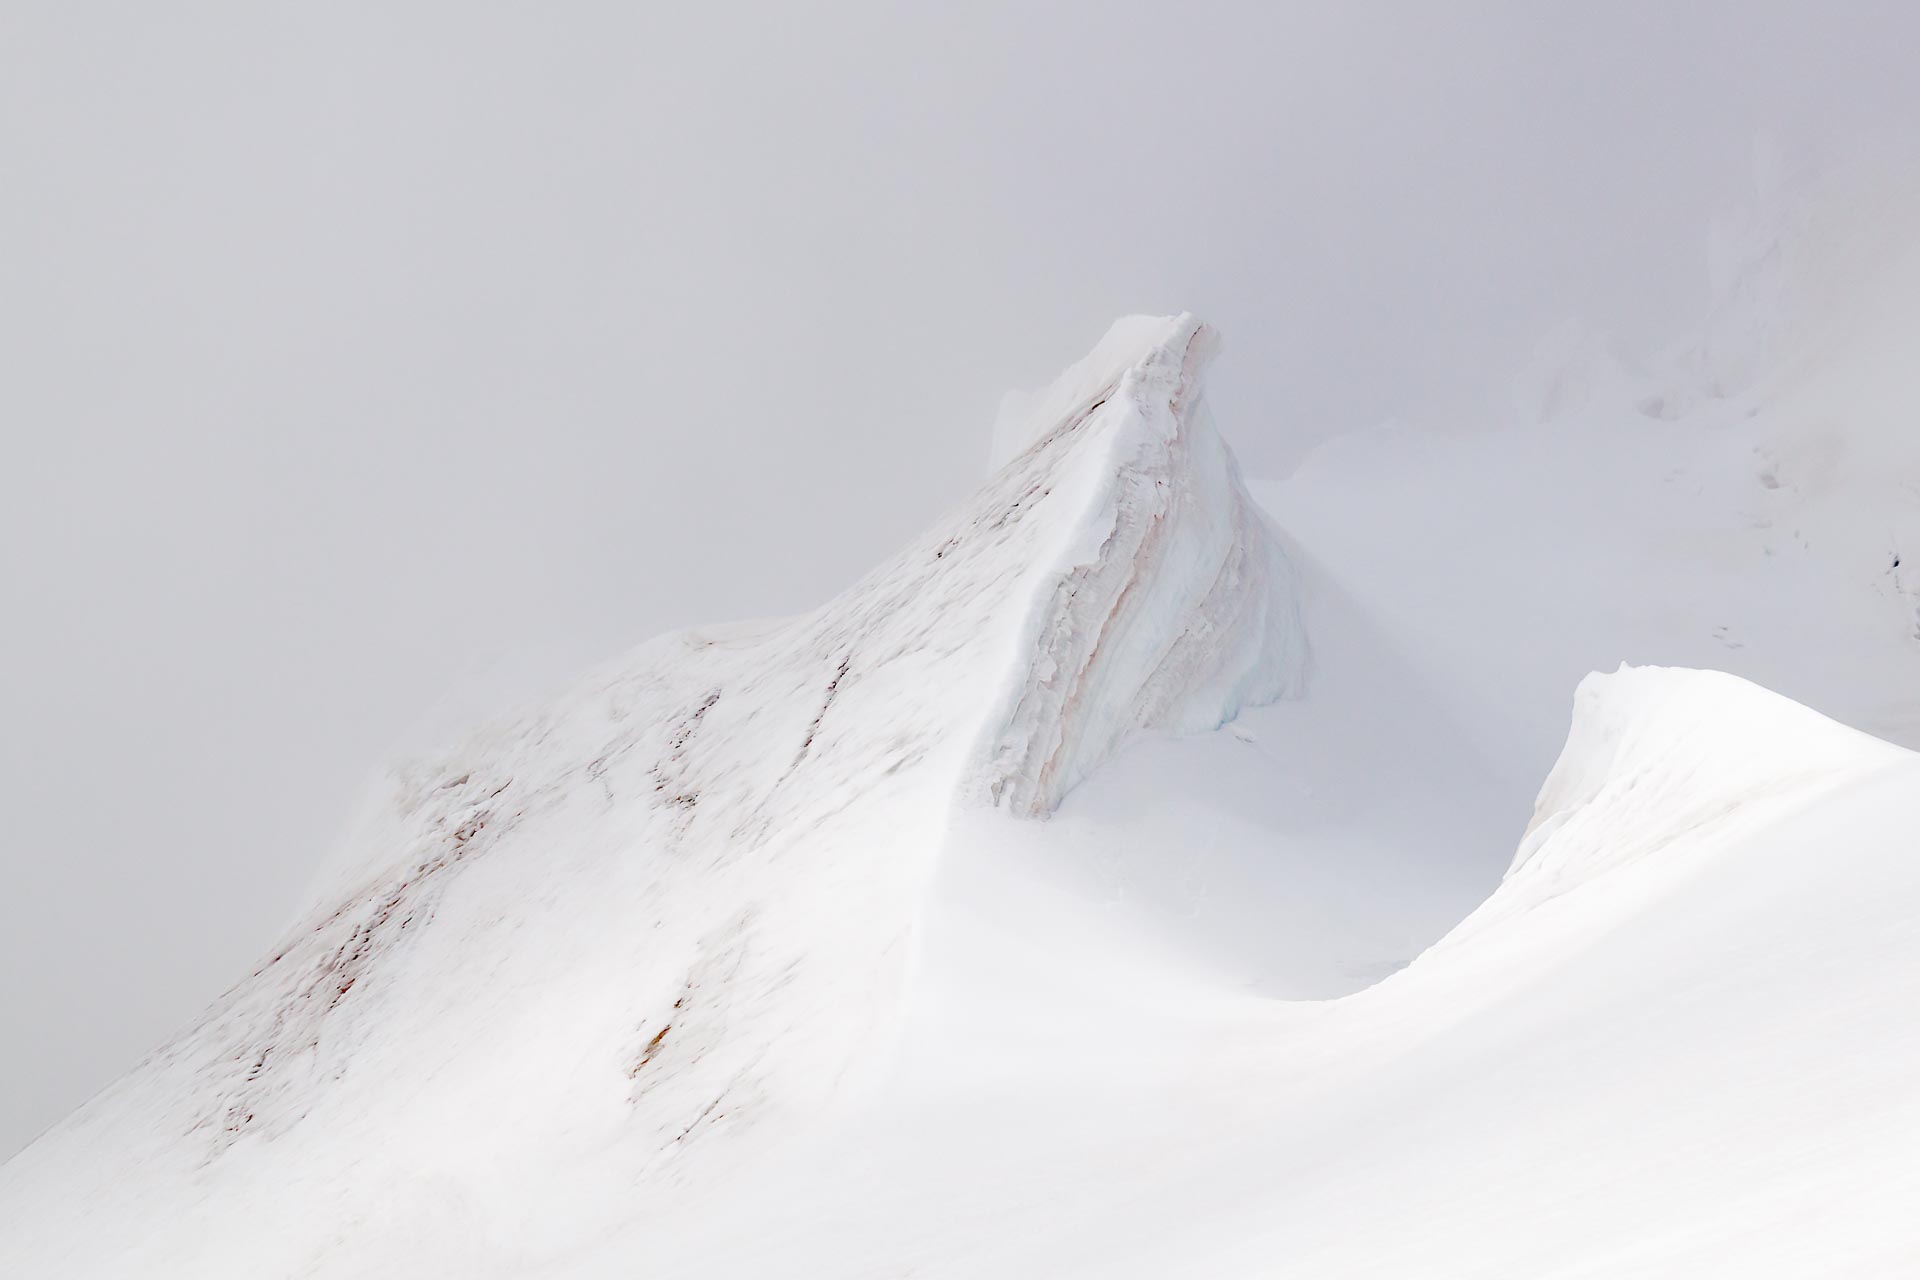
(360,363)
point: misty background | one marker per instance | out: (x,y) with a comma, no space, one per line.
(365,369)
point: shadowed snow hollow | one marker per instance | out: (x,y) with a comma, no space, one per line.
(679,906)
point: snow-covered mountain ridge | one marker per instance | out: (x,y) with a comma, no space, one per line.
(743,959)
(681,903)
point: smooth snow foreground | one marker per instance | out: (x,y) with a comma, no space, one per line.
(741,961)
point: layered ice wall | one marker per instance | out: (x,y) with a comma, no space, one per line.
(1174,606)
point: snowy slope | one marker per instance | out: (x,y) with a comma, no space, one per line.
(1686,1055)
(677,910)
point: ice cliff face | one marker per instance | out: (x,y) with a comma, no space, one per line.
(679,906)
(1177,607)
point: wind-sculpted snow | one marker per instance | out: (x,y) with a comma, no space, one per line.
(679,906)
(1661,762)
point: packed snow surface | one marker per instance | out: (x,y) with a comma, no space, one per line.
(1690,1055)
(938,932)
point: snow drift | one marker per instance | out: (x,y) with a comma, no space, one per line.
(1591,1081)
(1660,761)
(1688,1054)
